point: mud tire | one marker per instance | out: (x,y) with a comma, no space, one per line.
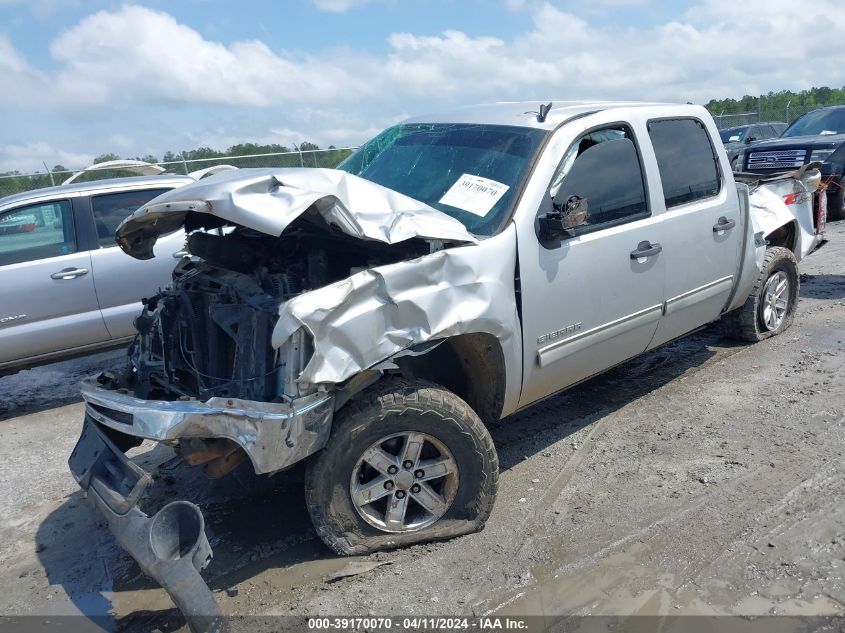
(746,323)
(395,406)
(836,203)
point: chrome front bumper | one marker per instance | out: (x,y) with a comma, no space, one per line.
(273,435)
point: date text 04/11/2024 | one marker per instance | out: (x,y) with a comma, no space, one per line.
(427,623)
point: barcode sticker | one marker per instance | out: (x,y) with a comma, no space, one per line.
(474,194)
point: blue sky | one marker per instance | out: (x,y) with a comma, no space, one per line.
(85,77)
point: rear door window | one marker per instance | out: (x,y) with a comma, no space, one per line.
(689,169)
(111,209)
(36,231)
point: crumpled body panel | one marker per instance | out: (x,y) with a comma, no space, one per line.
(770,211)
(268,200)
(360,321)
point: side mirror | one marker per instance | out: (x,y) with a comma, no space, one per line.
(563,219)
(749,140)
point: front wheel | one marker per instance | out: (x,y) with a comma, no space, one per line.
(770,308)
(407,462)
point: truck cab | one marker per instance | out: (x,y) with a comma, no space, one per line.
(648,243)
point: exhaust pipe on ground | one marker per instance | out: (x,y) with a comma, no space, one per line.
(172,548)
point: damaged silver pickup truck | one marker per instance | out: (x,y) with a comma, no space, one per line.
(371,320)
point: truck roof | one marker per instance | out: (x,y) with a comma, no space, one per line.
(524,113)
(106,184)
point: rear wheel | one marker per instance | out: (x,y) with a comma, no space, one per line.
(836,203)
(770,308)
(407,462)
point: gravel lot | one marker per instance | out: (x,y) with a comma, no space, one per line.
(703,478)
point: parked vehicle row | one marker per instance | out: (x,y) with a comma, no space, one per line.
(372,320)
(735,139)
(817,136)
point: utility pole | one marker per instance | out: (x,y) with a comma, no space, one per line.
(52,181)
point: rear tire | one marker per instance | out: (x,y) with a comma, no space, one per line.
(770,307)
(363,495)
(836,203)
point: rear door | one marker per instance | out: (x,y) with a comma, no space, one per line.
(594,299)
(47,298)
(122,281)
(701,221)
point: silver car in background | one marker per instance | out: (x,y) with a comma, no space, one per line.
(65,286)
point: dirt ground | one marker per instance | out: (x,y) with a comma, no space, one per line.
(705,477)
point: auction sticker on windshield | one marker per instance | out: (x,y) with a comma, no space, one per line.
(474,194)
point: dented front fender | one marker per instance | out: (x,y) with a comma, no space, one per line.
(360,321)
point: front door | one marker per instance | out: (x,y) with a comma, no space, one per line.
(47,298)
(593,300)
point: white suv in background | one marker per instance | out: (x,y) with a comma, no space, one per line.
(65,286)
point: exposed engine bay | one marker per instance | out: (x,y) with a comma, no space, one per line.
(208,333)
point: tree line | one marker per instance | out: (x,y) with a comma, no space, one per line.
(773,102)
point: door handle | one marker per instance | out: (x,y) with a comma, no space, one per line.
(69,273)
(723,225)
(180,254)
(646,249)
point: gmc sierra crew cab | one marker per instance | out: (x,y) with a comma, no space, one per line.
(373,319)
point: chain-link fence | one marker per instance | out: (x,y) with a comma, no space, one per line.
(774,115)
(16,182)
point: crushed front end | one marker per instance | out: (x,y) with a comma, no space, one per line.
(204,377)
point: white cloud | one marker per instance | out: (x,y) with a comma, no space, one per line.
(121,142)
(146,60)
(339,6)
(137,53)
(30,158)
(140,55)
(24,85)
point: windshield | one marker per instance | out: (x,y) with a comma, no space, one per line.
(470,172)
(733,134)
(818,123)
